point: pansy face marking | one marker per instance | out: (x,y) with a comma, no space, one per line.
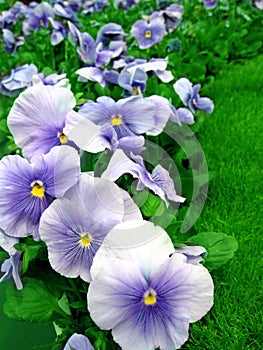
(150,297)
(148,34)
(85,240)
(38,189)
(116,120)
(62,137)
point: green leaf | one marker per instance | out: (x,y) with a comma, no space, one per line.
(30,253)
(153,206)
(220,247)
(82,304)
(30,250)
(3,255)
(64,304)
(34,303)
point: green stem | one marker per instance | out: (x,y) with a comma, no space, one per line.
(74,287)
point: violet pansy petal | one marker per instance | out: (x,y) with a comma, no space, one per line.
(194,254)
(108,317)
(162,178)
(139,241)
(148,34)
(20,211)
(10,268)
(120,164)
(85,134)
(162,114)
(134,144)
(210,4)
(132,212)
(78,342)
(98,112)
(101,197)
(184,88)
(195,287)
(72,238)
(185,116)
(60,169)
(138,114)
(205,104)
(164,75)
(7,242)
(92,74)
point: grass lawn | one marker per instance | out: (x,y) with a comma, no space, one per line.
(232,140)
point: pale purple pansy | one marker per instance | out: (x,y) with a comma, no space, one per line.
(27,189)
(129,116)
(152,302)
(75,226)
(210,4)
(159,181)
(19,78)
(95,138)
(172,16)
(38,117)
(189,95)
(149,33)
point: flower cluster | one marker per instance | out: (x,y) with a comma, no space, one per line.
(81,217)
(141,285)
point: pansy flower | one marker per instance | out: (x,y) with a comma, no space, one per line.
(74,227)
(189,94)
(95,138)
(172,16)
(125,4)
(38,18)
(159,181)
(210,4)
(129,116)
(148,33)
(156,65)
(10,42)
(19,78)
(110,32)
(152,302)
(27,189)
(134,83)
(38,117)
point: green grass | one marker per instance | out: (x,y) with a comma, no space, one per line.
(232,142)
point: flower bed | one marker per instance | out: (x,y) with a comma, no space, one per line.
(102,176)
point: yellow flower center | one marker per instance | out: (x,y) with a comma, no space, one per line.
(149,297)
(148,34)
(41,22)
(62,137)
(85,240)
(135,91)
(38,189)
(116,120)
(194,102)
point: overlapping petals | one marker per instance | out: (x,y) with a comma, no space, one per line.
(28,189)
(148,310)
(38,117)
(159,181)
(74,227)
